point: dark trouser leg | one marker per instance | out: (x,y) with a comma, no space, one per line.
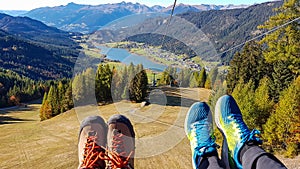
(254,157)
(210,162)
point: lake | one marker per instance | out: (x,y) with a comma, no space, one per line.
(126,57)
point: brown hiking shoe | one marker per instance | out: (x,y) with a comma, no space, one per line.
(92,138)
(120,142)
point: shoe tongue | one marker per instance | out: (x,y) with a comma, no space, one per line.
(92,133)
(115,131)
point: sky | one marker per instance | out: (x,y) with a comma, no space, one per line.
(32,4)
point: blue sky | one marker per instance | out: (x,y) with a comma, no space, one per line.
(31,4)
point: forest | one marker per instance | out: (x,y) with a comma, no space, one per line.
(264,78)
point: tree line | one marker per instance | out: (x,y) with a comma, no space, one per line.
(264,79)
(16,89)
(104,85)
(191,78)
(57,100)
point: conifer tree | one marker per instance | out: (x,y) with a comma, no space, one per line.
(284,43)
(116,85)
(281,127)
(281,79)
(125,81)
(42,110)
(213,75)
(67,102)
(78,88)
(207,83)
(138,87)
(194,80)
(103,83)
(52,100)
(247,65)
(244,96)
(263,103)
(202,78)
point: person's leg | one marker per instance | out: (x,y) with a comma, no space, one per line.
(240,146)
(198,128)
(120,142)
(253,156)
(91,140)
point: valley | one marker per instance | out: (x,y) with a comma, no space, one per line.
(60,64)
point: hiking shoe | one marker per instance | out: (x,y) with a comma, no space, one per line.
(199,130)
(235,132)
(120,142)
(92,138)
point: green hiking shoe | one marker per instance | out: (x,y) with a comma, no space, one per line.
(235,132)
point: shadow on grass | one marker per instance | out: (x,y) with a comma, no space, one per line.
(5,117)
(174,98)
(11,120)
(179,101)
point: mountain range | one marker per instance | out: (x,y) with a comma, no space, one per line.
(40,51)
(35,50)
(88,18)
(201,31)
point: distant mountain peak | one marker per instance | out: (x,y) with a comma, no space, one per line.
(88,18)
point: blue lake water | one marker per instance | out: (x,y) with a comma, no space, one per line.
(124,56)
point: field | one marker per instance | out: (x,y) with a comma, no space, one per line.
(28,143)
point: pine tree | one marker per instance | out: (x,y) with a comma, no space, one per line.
(48,110)
(244,96)
(263,103)
(42,110)
(281,79)
(138,87)
(213,75)
(52,100)
(247,65)
(78,88)
(207,84)
(67,102)
(124,84)
(202,78)
(116,85)
(281,127)
(284,43)
(89,86)
(233,77)
(194,80)
(103,83)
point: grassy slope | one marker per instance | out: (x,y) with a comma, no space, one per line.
(28,143)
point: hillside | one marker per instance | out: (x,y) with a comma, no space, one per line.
(34,30)
(229,28)
(36,50)
(200,31)
(53,143)
(88,18)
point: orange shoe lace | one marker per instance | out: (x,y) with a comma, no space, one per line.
(93,154)
(117,157)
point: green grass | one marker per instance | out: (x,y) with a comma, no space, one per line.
(91,52)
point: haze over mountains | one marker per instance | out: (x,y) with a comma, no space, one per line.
(40,51)
(88,18)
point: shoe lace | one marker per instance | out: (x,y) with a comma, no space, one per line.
(204,146)
(246,135)
(117,157)
(93,154)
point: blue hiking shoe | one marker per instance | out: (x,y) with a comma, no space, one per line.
(199,130)
(235,132)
